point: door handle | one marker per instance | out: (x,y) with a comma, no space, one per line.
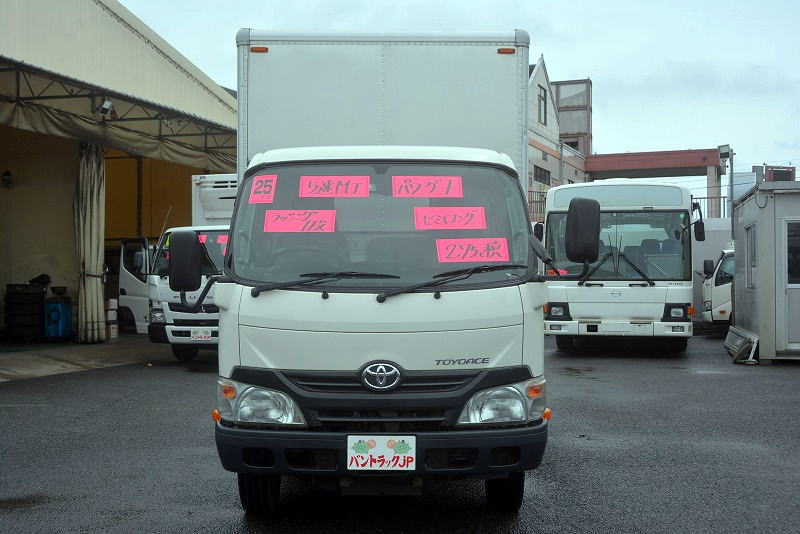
(122,291)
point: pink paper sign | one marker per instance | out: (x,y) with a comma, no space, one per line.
(222,238)
(450,218)
(313,221)
(472,250)
(203,238)
(334,186)
(427,186)
(263,189)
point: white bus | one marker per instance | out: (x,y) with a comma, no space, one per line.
(641,282)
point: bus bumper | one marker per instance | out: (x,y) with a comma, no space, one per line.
(618,328)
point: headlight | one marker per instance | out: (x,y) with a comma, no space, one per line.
(707,305)
(515,403)
(676,312)
(557,311)
(157,316)
(243,403)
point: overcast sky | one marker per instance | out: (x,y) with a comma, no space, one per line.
(665,75)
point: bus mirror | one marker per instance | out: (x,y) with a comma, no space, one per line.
(538,231)
(185,261)
(699,231)
(708,268)
(583,230)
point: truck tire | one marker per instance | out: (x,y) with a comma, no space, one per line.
(184,353)
(565,343)
(259,494)
(504,495)
(24,309)
(24,320)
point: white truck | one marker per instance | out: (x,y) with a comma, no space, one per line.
(380,307)
(641,283)
(717,302)
(144,287)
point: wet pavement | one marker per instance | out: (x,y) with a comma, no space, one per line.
(640,441)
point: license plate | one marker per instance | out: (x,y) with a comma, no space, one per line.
(201,335)
(381,453)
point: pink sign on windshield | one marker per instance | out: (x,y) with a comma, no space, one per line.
(450,218)
(477,249)
(203,238)
(427,186)
(334,186)
(222,238)
(263,189)
(312,221)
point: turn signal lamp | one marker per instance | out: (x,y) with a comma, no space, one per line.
(228,391)
(534,391)
(547,414)
(690,310)
(215,415)
(546,308)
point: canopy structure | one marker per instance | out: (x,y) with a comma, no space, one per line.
(90,70)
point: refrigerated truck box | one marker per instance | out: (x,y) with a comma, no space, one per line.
(426,89)
(767,281)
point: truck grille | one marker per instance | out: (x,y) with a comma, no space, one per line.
(196,322)
(412,382)
(206,308)
(405,420)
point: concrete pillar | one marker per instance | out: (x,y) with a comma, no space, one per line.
(713,192)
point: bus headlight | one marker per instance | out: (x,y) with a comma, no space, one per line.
(515,403)
(243,403)
(676,313)
(557,311)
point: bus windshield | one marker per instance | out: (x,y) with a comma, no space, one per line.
(657,242)
(405,221)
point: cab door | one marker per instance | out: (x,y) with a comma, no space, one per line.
(134,265)
(721,290)
(789,305)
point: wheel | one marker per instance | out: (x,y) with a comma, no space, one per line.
(565,342)
(24,309)
(184,353)
(24,320)
(504,495)
(259,494)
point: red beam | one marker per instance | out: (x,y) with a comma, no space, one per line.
(668,159)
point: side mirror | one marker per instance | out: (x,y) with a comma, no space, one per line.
(185,261)
(538,231)
(708,268)
(699,231)
(540,251)
(583,230)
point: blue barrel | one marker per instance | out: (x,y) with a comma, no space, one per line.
(58,318)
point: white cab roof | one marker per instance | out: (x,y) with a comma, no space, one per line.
(383,152)
(213,228)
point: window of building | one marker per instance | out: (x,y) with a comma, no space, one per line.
(541,175)
(572,144)
(543,105)
(544,155)
(750,238)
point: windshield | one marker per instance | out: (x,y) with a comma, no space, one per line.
(654,241)
(410,220)
(215,243)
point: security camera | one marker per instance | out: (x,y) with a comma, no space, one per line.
(106,109)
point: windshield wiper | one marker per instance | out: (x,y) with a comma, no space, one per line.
(637,269)
(313,278)
(447,276)
(649,280)
(594,269)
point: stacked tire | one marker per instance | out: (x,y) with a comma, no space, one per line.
(24,311)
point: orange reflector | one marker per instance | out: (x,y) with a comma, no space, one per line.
(690,310)
(215,415)
(722,312)
(259,49)
(547,414)
(533,391)
(227,391)
(506,50)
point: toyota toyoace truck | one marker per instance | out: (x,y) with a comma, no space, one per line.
(144,285)
(380,307)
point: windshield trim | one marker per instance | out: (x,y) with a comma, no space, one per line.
(509,173)
(687,278)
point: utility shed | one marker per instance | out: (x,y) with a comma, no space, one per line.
(767,281)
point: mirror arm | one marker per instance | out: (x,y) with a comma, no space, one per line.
(194,308)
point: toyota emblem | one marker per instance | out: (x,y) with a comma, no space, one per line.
(380,376)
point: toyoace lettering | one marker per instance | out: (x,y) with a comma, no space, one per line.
(354,272)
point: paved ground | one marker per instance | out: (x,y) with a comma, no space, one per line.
(640,441)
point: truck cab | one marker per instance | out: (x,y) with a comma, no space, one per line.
(717,303)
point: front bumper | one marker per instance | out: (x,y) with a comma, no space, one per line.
(618,328)
(475,453)
(182,335)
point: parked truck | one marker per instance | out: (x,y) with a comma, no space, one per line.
(717,303)
(380,305)
(144,284)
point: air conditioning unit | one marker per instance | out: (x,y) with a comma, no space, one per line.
(779,174)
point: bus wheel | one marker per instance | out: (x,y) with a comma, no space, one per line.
(564,343)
